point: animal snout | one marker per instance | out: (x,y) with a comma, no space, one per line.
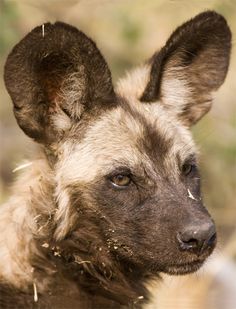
(197,238)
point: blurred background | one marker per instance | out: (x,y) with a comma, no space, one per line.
(128,32)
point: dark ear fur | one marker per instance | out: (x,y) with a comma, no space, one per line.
(196,58)
(55,71)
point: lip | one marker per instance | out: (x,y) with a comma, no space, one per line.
(184,268)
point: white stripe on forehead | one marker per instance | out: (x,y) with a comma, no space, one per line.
(112,141)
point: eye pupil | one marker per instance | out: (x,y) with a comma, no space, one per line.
(121,180)
(187,169)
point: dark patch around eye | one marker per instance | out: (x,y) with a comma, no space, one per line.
(123,170)
(189,167)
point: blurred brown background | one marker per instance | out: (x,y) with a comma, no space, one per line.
(128,32)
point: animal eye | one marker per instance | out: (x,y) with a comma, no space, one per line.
(188,168)
(120,180)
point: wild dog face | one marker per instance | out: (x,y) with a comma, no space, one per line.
(123,159)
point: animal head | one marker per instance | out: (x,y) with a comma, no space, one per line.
(123,157)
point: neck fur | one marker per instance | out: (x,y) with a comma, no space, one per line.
(30,254)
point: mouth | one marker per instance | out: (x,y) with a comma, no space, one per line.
(184,268)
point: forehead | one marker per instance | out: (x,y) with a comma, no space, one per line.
(127,136)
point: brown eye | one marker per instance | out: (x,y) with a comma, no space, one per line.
(187,169)
(121,180)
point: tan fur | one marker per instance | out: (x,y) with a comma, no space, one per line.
(175,91)
(95,156)
(21,219)
(134,83)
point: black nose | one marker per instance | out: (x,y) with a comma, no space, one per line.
(197,238)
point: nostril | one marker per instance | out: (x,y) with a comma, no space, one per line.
(212,240)
(187,243)
(191,242)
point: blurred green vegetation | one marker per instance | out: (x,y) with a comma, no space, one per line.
(8,31)
(128,32)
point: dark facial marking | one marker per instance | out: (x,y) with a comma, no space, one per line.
(154,143)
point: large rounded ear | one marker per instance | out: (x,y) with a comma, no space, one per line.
(192,64)
(53,76)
